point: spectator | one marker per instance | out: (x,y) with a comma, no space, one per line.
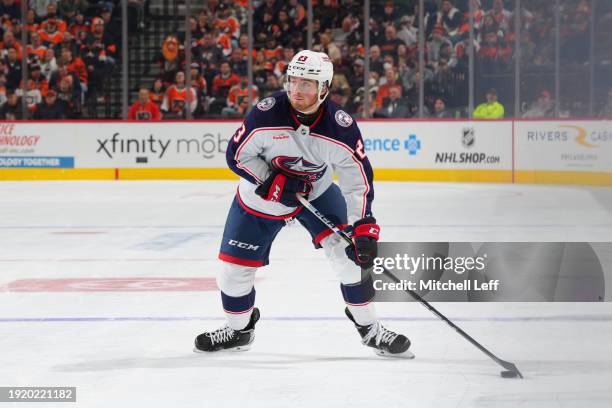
(271,85)
(36,50)
(49,32)
(238,98)
(8,42)
(501,16)
(144,108)
(543,107)
(407,32)
(210,51)
(224,81)
(494,55)
(491,109)
(437,41)
(10,10)
(177,101)
(12,108)
(265,27)
(297,13)
(440,111)
(106,37)
(389,15)
(606,110)
(99,67)
(341,35)
(390,82)
(199,85)
(449,17)
(326,13)
(285,27)
(50,108)
(339,97)
(393,106)
(356,79)
(48,65)
(77,66)
(13,65)
(389,44)
(376,62)
(69,94)
(157,92)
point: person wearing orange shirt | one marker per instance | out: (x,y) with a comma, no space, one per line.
(224,80)
(177,100)
(143,108)
(76,65)
(49,32)
(238,98)
(36,47)
(383,91)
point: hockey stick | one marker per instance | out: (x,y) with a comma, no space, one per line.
(510,369)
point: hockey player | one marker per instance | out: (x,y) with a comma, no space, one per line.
(292,143)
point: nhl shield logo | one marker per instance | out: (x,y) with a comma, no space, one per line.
(266,104)
(467,140)
(343,118)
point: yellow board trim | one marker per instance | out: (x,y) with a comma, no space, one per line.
(482,176)
(57,174)
(177,174)
(590,178)
(445,175)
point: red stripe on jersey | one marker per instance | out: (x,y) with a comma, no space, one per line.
(239,261)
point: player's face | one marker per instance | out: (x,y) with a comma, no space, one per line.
(302,93)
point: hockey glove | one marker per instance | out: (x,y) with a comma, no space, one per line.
(365,247)
(282,189)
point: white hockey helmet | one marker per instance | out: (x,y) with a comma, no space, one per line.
(312,65)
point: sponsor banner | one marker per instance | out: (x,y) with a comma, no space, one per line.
(564,145)
(121,145)
(439,145)
(492,271)
(37,162)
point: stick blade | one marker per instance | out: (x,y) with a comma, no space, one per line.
(512,371)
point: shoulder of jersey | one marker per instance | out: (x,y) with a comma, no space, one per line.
(271,103)
(341,122)
(269,111)
(338,117)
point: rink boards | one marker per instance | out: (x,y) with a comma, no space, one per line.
(551,152)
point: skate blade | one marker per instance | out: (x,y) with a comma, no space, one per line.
(407,355)
(230,350)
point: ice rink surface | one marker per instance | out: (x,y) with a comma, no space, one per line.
(104,286)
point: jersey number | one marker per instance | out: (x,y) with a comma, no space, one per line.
(239,133)
(359,150)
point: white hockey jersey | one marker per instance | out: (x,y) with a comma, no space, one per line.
(272,137)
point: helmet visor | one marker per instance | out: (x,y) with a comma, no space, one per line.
(301,85)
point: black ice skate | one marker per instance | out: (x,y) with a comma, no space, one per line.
(384,342)
(227,338)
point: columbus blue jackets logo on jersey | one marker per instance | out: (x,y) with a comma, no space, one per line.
(343,118)
(298,167)
(266,104)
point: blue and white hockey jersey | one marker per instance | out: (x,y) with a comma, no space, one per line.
(272,137)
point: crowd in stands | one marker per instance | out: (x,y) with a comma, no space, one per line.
(73,46)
